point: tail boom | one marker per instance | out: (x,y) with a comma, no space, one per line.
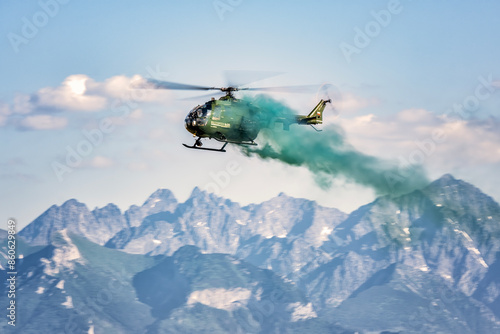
(315,116)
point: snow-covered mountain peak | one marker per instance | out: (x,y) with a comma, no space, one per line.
(110,208)
(202,195)
(71,203)
(164,195)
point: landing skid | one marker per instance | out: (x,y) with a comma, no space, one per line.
(207,148)
(197,144)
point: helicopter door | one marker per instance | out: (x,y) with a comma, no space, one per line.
(217,113)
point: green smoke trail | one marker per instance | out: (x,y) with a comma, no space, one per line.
(327,154)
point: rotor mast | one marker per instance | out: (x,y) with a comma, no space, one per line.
(229,92)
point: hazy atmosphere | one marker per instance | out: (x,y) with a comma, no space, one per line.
(417,85)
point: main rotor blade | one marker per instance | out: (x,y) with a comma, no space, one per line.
(285,89)
(158,84)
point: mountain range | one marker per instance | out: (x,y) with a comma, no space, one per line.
(426,261)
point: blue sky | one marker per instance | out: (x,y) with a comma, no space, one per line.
(398,89)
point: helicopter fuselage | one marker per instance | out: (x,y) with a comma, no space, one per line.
(226,119)
(235,121)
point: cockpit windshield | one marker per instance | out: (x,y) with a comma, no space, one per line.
(202,111)
(199,114)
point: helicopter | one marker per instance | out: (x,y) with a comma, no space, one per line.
(230,120)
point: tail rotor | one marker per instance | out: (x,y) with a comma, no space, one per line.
(329,92)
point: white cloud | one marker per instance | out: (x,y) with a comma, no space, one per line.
(43,122)
(79,92)
(126,89)
(71,95)
(444,142)
(22,104)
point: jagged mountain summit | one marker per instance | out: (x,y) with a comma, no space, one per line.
(98,225)
(218,225)
(427,261)
(212,223)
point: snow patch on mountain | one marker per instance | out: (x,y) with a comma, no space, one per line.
(301,311)
(68,303)
(64,257)
(224,299)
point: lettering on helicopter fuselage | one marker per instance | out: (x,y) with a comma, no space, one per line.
(220,125)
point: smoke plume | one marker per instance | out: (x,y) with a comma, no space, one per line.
(327,154)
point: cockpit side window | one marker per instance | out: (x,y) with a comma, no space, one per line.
(203,112)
